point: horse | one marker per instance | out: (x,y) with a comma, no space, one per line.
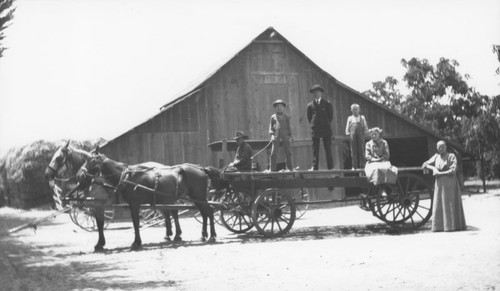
(66,163)
(151,183)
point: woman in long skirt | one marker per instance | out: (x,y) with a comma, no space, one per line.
(447,210)
(378,168)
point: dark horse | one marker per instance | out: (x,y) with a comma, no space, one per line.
(152,183)
(66,162)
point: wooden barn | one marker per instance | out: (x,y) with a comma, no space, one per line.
(239,95)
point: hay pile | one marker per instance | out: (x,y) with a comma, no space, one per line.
(22,181)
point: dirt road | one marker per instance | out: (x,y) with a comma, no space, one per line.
(328,249)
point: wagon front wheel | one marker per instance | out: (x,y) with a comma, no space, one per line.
(273,213)
(237,215)
(84,217)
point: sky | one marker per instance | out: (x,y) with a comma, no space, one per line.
(85,69)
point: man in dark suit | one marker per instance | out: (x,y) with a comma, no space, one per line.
(320,114)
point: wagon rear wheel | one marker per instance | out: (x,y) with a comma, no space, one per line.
(406,205)
(237,217)
(273,213)
(83,216)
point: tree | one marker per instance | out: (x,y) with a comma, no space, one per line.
(441,99)
(386,93)
(496,50)
(431,90)
(6,15)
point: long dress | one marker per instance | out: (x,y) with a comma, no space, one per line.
(378,169)
(447,210)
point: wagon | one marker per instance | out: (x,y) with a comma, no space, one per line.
(268,201)
(272,201)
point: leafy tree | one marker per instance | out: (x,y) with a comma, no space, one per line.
(386,93)
(6,15)
(432,88)
(496,50)
(441,99)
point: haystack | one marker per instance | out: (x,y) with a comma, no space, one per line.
(22,181)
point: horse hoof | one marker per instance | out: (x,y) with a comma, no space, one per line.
(135,247)
(167,238)
(203,239)
(98,249)
(177,238)
(211,239)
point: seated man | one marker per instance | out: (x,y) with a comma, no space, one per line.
(243,158)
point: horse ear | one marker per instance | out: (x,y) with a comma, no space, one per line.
(97,149)
(67,144)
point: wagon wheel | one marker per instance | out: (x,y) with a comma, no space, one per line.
(300,196)
(83,216)
(151,217)
(212,196)
(273,212)
(406,205)
(237,218)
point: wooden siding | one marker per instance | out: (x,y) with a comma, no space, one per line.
(239,96)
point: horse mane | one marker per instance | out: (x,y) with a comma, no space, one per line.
(83,154)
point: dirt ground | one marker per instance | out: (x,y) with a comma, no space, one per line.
(328,249)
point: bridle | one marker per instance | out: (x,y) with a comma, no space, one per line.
(61,164)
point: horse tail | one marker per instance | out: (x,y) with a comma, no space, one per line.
(214,175)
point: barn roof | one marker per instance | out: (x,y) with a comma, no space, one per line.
(276,35)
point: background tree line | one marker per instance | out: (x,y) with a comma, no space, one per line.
(439,98)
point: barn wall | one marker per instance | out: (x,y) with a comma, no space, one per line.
(239,96)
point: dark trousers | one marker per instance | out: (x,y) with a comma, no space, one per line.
(327,143)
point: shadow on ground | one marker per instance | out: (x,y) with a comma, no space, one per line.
(25,268)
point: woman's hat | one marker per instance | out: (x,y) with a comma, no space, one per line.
(240,134)
(316,88)
(279,101)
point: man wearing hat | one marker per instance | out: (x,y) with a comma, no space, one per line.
(281,134)
(320,114)
(243,158)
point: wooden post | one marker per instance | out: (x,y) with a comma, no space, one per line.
(224,151)
(483,176)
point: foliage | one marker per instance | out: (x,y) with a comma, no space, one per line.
(6,15)
(441,99)
(496,50)
(386,93)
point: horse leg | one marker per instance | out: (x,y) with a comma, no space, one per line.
(213,235)
(203,213)
(99,219)
(168,224)
(134,212)
(178,231)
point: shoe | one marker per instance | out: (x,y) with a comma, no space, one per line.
(312,169)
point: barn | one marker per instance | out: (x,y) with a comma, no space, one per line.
(198,126)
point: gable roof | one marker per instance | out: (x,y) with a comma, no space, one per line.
(271,33)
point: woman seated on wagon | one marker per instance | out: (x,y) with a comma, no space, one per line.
(378,169)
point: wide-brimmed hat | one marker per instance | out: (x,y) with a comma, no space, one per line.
(240,134)
(279,101)
(316,88)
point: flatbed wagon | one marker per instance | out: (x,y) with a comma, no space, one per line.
(268,201)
